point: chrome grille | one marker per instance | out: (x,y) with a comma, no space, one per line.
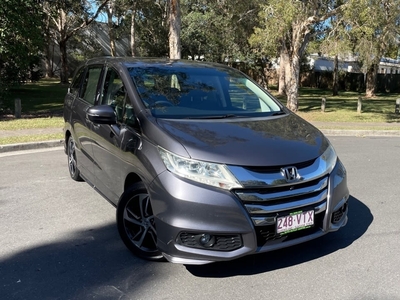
(265,205)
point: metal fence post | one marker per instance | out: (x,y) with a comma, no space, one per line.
(359,105)
(323,104)
(18,108)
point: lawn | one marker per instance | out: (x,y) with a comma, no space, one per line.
(343,108)
(43,97)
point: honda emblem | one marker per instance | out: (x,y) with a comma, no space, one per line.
(290,174)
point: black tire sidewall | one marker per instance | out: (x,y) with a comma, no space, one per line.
(137,188)
(76,176)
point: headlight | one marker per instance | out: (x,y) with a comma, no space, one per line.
(330,158)
(208,173)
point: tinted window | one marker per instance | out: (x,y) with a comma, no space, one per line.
(182,92)
(76,82)
(89,87)
(114,94)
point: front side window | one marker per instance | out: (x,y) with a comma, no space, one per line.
(200,92)
(115,95)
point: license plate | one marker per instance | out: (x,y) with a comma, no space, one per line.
(295,221)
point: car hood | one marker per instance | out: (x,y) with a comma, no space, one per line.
(273,141)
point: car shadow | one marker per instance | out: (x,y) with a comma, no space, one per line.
(94,263)
(87,264)
(360,218)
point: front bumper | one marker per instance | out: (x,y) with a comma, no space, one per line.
(185,208)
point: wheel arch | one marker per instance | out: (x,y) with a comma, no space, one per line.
(67,135)
(130,180)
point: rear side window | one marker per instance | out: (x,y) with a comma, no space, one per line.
(90,83)
(76,82)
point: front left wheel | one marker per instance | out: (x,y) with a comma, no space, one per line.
(136,224)
(72,162)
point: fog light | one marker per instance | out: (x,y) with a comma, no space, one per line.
(226,242)
(206,240)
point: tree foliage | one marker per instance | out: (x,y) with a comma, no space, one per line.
(374,29)
(289,26)
(241,33)
(67,17)
(218,30)
(21,39)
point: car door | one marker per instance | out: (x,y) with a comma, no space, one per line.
(110,144)
(82,127)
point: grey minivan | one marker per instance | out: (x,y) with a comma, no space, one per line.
(201,163)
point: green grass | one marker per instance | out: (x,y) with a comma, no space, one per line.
(44,96)
(30,138)
(17,124)
(343,108)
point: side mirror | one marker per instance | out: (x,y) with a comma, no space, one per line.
(101,114)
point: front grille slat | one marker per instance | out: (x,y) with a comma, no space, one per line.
(257,209)
(292,191)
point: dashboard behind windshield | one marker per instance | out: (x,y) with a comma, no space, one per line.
(205,92)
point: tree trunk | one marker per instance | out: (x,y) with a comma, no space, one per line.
(335,89)
(64,64)
(300,39)
(292,90)
(283,66)
(111,30)
(371,81)
(174,30)
(133,33)
(49,48)
(63,47)
(49,73)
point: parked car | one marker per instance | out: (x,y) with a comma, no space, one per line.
(201,163)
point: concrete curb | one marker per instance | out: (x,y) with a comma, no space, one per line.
(360,133)
(31,146)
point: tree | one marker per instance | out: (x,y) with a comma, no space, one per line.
(374,29)
(174,29)
(67,18)
(218,30)
(110,10)
(150,21)
(20,41)
(117,11)
(290,25)
(146,22)
(133,9)
(335,42)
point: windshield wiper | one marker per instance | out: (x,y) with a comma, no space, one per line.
(278,113)
(216,117)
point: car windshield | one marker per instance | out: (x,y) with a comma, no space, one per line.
(198,92)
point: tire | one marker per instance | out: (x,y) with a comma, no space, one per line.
(72,162)
(136,225)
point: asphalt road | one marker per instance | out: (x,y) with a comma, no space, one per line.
(58,240)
